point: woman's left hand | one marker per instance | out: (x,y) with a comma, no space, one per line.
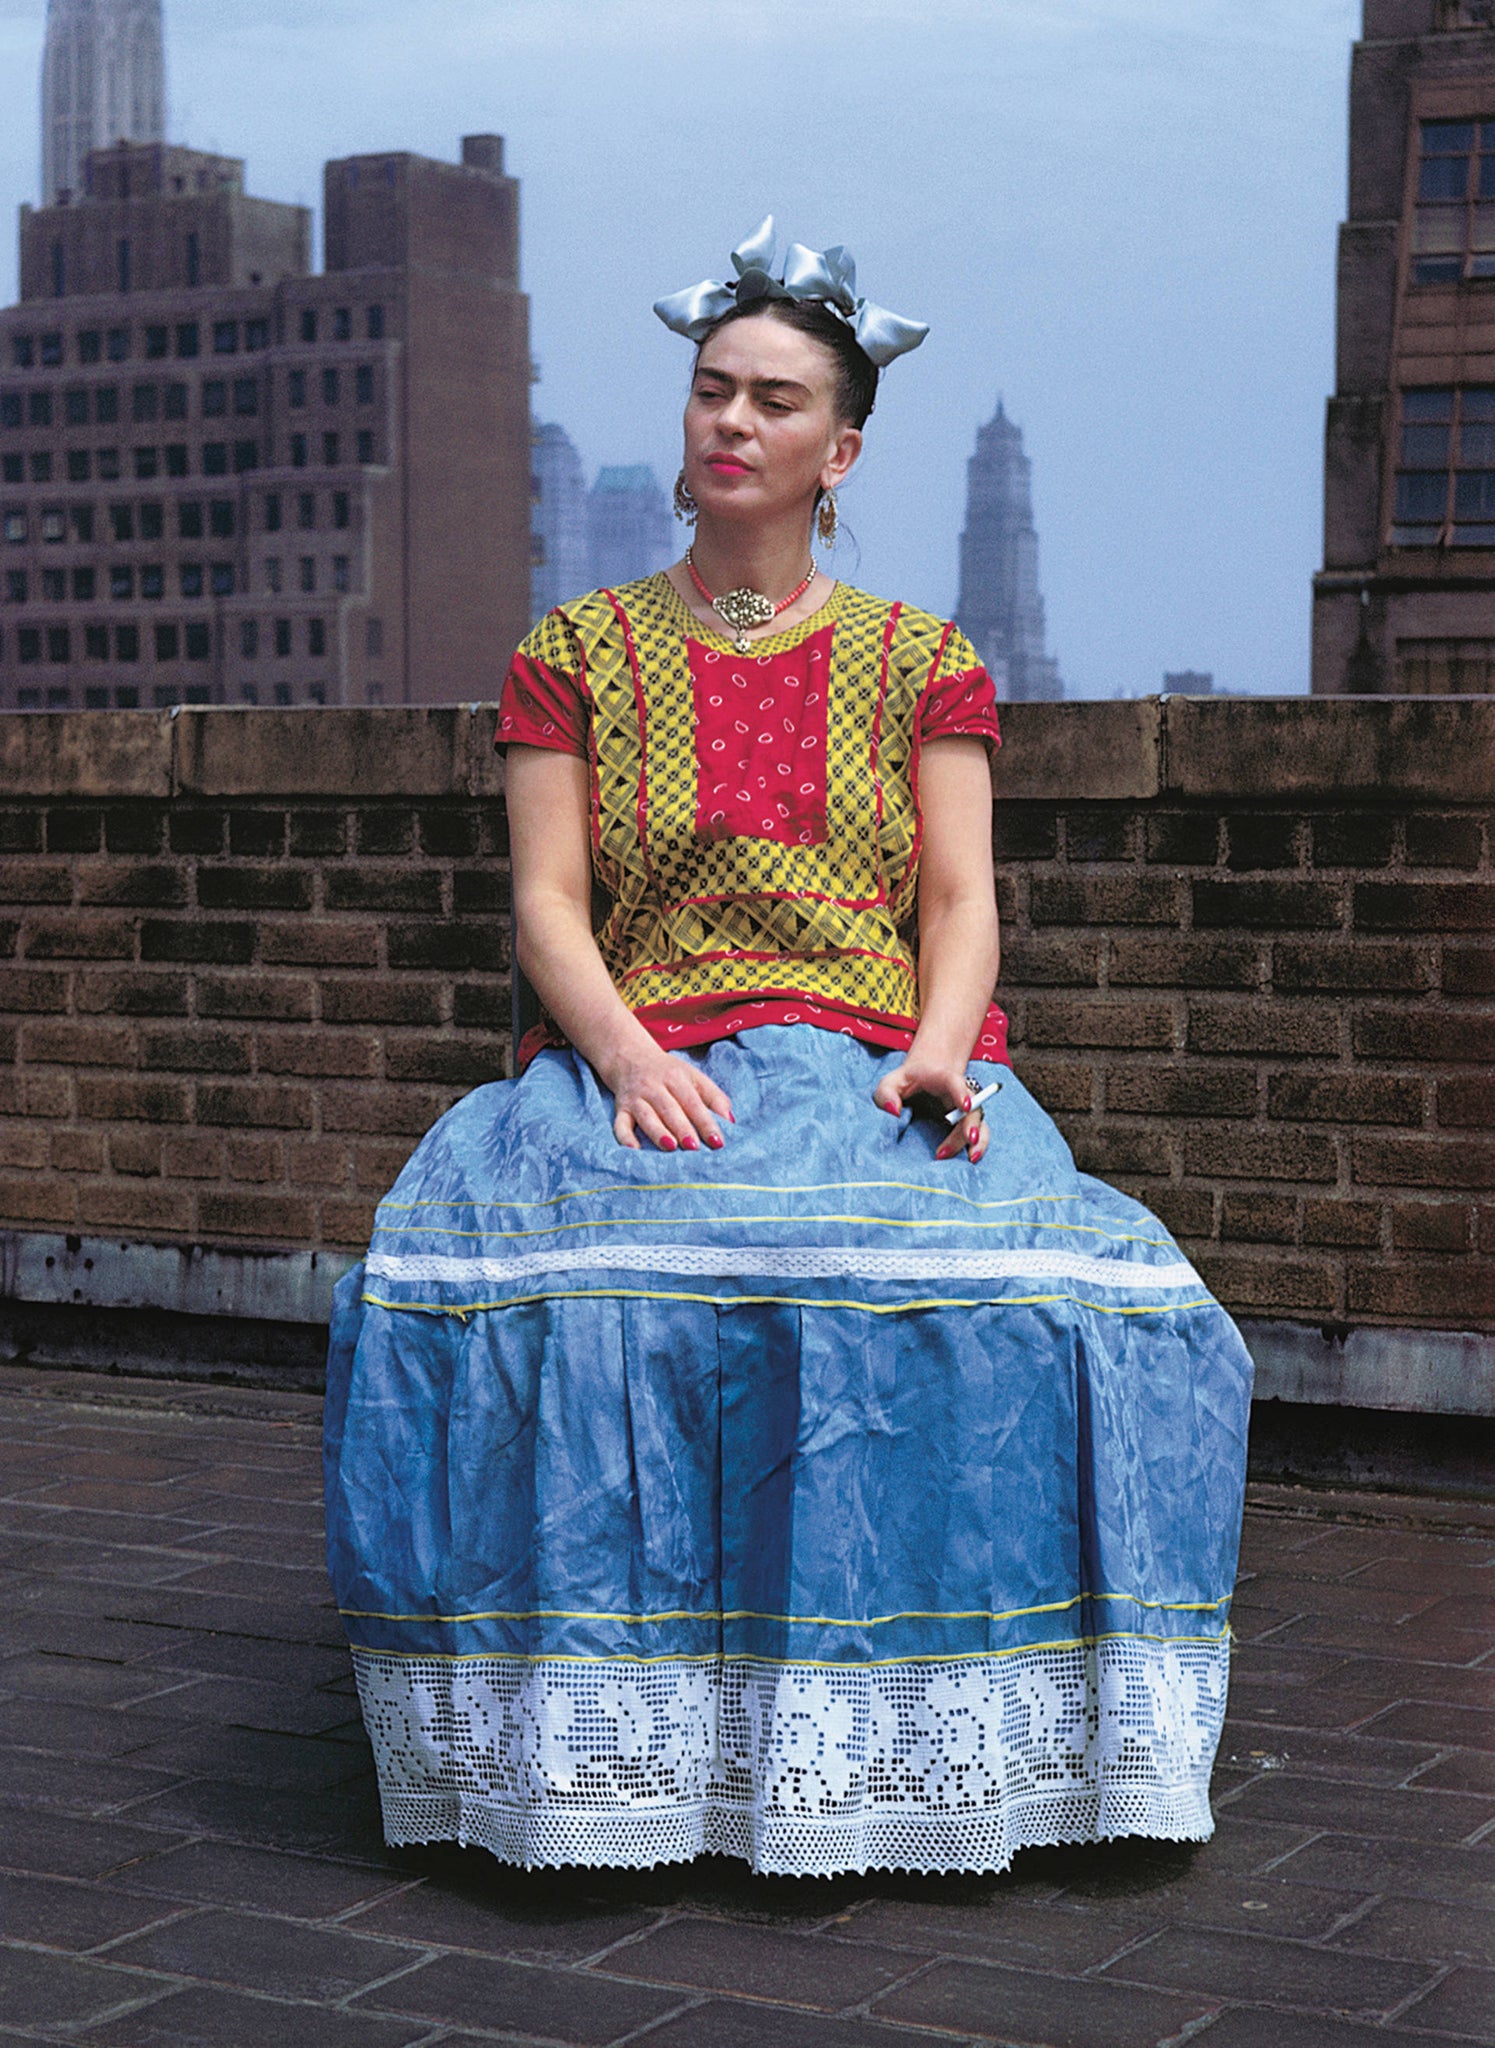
(947,1085)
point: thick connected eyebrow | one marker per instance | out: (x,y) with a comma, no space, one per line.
(758,384)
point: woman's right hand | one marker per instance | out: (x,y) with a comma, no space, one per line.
(661,1097)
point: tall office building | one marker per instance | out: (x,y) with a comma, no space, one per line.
(1405,602)
(227,480)
(1000,610)
(630,526)
(560,557)
(103,81)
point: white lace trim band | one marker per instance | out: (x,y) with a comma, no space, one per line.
(807,1772)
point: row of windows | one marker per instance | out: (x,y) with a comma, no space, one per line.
(85,585)
(1453,234)
(218,517)
(169,639)
(1445,478)
(217,458)
(80,404)
(183,339)
(126,697)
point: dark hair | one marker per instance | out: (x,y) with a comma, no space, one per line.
(856,373)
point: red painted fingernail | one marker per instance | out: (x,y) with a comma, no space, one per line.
(692,1144)
(667,1143)
(730,1118)
(715,1140)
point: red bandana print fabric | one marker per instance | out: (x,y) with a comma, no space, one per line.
(761,742)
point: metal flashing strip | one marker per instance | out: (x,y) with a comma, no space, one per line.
(177,1279)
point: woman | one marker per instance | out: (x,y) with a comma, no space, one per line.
(863,1489)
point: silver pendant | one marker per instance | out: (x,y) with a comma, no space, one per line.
(744,608)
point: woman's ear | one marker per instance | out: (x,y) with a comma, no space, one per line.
(844,452)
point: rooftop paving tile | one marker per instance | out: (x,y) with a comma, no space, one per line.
(201,2018)
(234,1874)
(51,1912)
(254,1952)
(1046,2011)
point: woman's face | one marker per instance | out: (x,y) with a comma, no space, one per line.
(761,432)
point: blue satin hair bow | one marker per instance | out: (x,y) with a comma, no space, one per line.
(829,275)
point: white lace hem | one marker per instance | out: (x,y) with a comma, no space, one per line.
(807,1771)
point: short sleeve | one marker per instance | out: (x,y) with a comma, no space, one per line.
(959,700)
(544,699)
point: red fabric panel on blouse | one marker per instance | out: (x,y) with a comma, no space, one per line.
(961,706)
(677,1025)
(761,741)
(540,707)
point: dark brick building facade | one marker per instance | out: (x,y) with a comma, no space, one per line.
(225,479)
(1405,601)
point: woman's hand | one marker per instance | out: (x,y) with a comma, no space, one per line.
(659,1096)
(947,1085)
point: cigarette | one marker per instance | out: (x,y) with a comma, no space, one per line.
(953,1116)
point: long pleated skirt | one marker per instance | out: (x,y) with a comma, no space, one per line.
(810,1501)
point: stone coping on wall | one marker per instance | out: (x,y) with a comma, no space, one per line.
(1387,749)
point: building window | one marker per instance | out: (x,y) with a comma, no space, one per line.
(298,451)
(331,387)
(147,464)
(41,466)
(28,700)
(59,645)
(249,639)
(191,579)
(54,586)
(15,526)
(316,693)
(174,406)
(249,693)
(79,465)
(144,401)
(308,572)
(117,345)
(194,260)
(29,644)
(376,323)
(246,457)
(295,388)
(188,339)
(168,641)
(308,323)
(342,324)
(153,581)
(1454,234)
(122,522)
(127,698)
(199,639)
(108,465)
(256,334)
(214,398)
(164,695)
(74,406)
(272,512)
(21,351)
(306,511)
(12,469)
(122,260)
(373,638)
(365,445)
(127,643)
(1445,479)
(15,586)
(340,508)
(82,518)
(96,643)
(316,638)
(272,573)
(282,638)
(91,343)
(189,519)
(59,271)
(121,583)
(341,579)
(84,585)
(152,520)
(246,397)
(10,409)
(106,404)
(363,383)
(96,698)
(157,345)
(223,579)
(221,518)
(54,523)
(176,458)
(330,450)
(215,458)
(225,337)
(282,693)
(39,408)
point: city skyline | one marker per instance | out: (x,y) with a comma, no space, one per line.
(1128,227)
(103,81)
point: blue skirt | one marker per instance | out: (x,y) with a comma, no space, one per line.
(810,1501)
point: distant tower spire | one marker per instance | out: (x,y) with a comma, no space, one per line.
(103,81)
(1000,610)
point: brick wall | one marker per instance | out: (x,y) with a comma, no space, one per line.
(247,957)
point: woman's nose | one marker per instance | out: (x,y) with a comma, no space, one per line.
(733,415)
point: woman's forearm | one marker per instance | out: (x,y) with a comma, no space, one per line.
(958,958)
(560,956)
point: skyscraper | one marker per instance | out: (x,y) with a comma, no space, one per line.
(1000,610)
(103,81)
(629,523)
(560,559)
(1405,601)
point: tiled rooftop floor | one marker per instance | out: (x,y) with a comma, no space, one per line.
(190,1854)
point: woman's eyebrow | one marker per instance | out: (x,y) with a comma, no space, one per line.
(757,384)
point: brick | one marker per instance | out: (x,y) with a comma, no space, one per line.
(377,1167)
(1259,905)
(1183,962)
(1425,906)
(132,884)
(45,1094)
(1143,1026)
(322,1163)
(347,1223)
(255,1105)
(35,882)
(1257,1967)
(1440,841)
(352,1055)
(318,835)
(108,1099)
(189,830)
(23,1146)
(77,1151)
(765,1962)
(255,1159)
(1184,839)
(1107,834)
(482,1006)
(1345,1098)
(1327,1222)
(260,1953)
(1418,1034)
(561,2005)
(1263,839)
(1270,1282)
(1469,970)
(304,944)
(484,894)
(1467,1103)
(1123,1148)
(463,1062)
(1255,1218)
(453,948)
(1076,898)
(37,1199)
(1288,1029)
(196,1052)
(1431,1226)
(254,888)
(131,994)
(974,1999)
(1186,1212)
(134,828)
(67,1044)
(134,1205)
(380,999)
(380,1112)
(1177,1090)
(1058,1085)
(214,942)
(387,830)
(1025,832)
(1441,1292)
(256,997)
(1231,1153)
(79,937)
(284,1217)
(136,1153)
(495,828)
(257,835)
(192,1156)
(1348,966)
(1354,839)
(417,891)
(20,831)
(10,932)
(448,833)
(73,828)
(1425,1162)
(33,994)
(1461,2004)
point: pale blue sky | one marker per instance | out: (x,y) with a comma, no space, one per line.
(1119,214)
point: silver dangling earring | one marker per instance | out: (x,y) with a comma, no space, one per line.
(827,520)
(685,505)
